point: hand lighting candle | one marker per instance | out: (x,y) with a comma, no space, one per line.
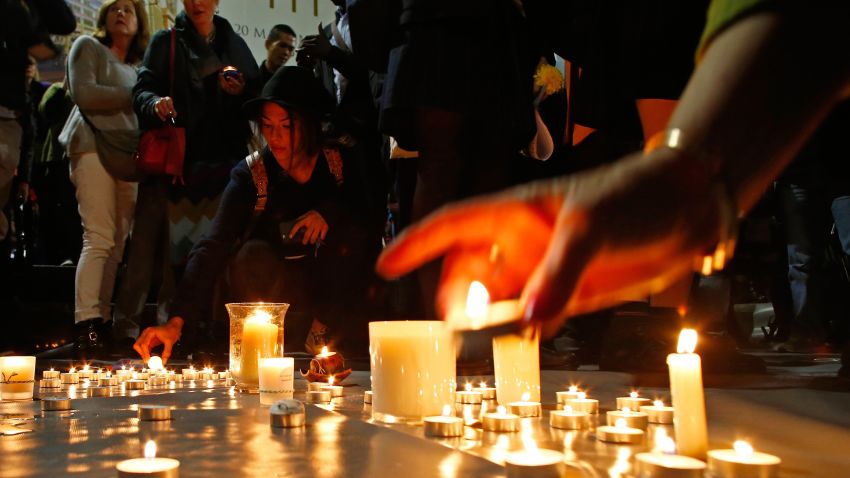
(149,466)
(742,462)
(688,400)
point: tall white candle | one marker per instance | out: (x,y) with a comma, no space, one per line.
(687,394)
(17,377)
(276,379)
(413,369)
(259,338)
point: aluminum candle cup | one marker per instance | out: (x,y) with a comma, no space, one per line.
(469,397)
(413,369)
(134,385)
(569,419)
(443,426)
(108,381)
(620,434)
(658,413)
(565,396)
(316,386)
(500,421)
(287,414)
(487,393)
(662,465)
(157,381)
(632,419)
(50,374)
(70,378)
(153,413)
(632,402)
(526,408)
(150,466)
(367,397)
(55,404)
(336,390)
(49,383)
(742,462)
(189,374)
(99,391)
(319,396)
(587,405)
(536,463)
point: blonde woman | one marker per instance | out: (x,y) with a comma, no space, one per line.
(101,74)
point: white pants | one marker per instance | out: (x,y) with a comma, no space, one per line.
(106,208)
(10,154)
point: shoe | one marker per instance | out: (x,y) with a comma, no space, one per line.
(316,338)
(90,339)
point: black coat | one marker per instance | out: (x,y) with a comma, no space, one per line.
(216,128)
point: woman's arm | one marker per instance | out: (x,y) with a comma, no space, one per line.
(87,92)
(152,82)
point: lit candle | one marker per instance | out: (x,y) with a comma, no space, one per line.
(487,393)
(664,463)
(336,390)
(49,383)
(526,407)
(316,386)
(155,363)
(259,339)
(632,419)
(153,413)
(319,396)
(86,372)
(584,404)
(276,379)
(619,433)
(50,373)
(445,425)
(17,377)
(287,413)
(189,373)
(367,397)
(658,413)
(742,462)
(566,395)
(687,394)
(149,466)
(134,384)
(468,395)
(500,421)
(533,462)
(568,419)
(327,362)
(633,401)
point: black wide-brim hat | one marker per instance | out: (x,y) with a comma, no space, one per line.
(293,87)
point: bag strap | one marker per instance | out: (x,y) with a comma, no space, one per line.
(261,180)
(334,160)
(171,63)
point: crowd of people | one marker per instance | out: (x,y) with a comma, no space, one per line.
(607,188)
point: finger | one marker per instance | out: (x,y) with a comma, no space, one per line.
(166,350)
(459,268)
(324,233)
(141,345)
(295,227)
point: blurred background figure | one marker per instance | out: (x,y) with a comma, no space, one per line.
(280,44)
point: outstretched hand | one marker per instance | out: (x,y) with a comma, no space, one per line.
(166,335)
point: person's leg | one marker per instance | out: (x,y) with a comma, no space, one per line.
(125,203)
(10,154)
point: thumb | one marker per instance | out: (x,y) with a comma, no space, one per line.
(166,350)
(556,277)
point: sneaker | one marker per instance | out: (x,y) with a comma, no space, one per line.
(316,338)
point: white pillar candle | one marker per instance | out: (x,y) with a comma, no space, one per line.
(149,466)
(516,358)
(633,419)
(742,462)
(658,413)
(17,377)
(687,394)
(413,369)
(500,421)
(259,339)
(633,401)
(276,379)
(583,404)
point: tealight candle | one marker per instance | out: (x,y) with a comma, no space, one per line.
(152,413)
(535,463)
(445,425)
(134,385)
(469,396)
(663,462)
(190,373)
(149,466)
(336,390)
(86,372)
(567,395)
(487,393)
(584,404)
(157,381)
(568,419)
(367,397)
(619,433)
(55,404)
(526,407)
(658,413)
(688,400)
(50,374)
(72,377)
(99,391)
(276,379)
(287,413)
(500,421)
(316,386)
(108,381)
(742,462)
(632,419)
(633,401)
(49,383)
(319,396)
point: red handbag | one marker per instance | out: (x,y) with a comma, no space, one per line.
(161,150)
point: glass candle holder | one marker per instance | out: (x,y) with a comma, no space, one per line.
(413,369)
(256,330)
(17,376)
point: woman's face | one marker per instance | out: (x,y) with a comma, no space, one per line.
(277,126)
(121,19)
(200,12)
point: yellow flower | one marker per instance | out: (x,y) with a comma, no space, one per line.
(549,78)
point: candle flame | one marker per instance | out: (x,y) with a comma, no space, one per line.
(72,370)
(568,409)
(155,363)
(501,410)
(573,389)
(324,351)
(743,448)
(331,380)
(620,423)
(526,396)
(658,403)
(260,316)
(468,387)
(627,410)
(86,367)
(633,395)
(477,300)
(150,449)
(687,341)
(51,369)
(582,395)
(447,410)
(483,384)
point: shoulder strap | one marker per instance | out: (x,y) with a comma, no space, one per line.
(261,179)
(334,159)
(171,63)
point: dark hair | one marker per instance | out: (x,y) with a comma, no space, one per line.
(277,31)
(310,126)
(140,40)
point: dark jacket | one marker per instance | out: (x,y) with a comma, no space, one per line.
(23,25)
(286,200)
(216,129)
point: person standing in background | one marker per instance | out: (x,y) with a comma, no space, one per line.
(280,43)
